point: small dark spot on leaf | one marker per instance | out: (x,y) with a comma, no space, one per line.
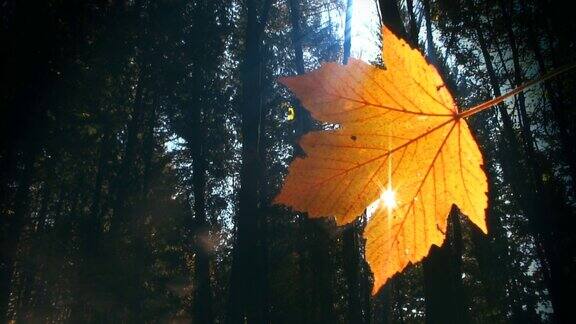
(440,87)
(353,137)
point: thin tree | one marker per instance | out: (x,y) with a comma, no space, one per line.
(246,295)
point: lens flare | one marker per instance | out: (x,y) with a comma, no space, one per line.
(388,198)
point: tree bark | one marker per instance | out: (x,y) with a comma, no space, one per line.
(202,303)
(443,287)
(391,17)
(246,292)
(348,31)
(352,272)
(413,31)
(125,178)
(322,273)
(351,248)
(302,123)
(431,49)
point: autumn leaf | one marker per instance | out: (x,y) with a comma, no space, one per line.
(400,145)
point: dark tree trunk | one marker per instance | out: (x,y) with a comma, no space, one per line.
(295,17)
(443,288)
(246,292)
(123,244)
(203,292)
(300,129)
(431,49)
(202,303)
(491,253)
(322,272)
(124,182)
(366,278)
(351,248)
(303,124)
(391,17)
(263,253)
(385,313)
(91,231)
(303,119)
(348,31)
(149,145)
(413,31)
(351,259)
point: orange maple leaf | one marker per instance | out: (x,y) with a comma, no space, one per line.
(400,145)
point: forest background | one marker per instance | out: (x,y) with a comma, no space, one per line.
(142,143)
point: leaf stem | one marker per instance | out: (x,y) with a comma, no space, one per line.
(490,103)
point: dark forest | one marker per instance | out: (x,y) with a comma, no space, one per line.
(143,143)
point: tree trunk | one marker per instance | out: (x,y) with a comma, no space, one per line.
(202,303)
(303,123)
(149,146)
(303,120)
(124,182)
(322,273)
(351,248)
(443,287)
(491,252)
(348,31)
(351,266)
(246,292)
(413,31)
(203,292)
(391,17)
(431,49)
